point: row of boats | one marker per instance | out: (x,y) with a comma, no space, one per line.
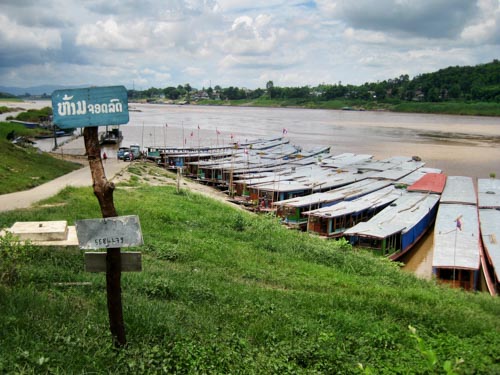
(385,205)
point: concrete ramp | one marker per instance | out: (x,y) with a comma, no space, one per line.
(44,233)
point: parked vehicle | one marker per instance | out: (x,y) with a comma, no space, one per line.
(136,151)
(121,152)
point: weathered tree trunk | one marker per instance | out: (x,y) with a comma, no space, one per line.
(103,190)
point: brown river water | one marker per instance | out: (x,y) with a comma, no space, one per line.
(459,145)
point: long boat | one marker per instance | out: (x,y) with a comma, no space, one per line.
(457,242)
(292,211)
(489,221)
(398,227)
(332,221)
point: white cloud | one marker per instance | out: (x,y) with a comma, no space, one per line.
(486,28)
(109,34)
(240,42)
(249,36)
(20,36)
(364,36)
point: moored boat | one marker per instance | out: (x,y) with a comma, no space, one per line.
(457,244)
(398,227)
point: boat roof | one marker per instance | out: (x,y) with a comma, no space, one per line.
(350,191)
(490,232)
(459,189)
(417,175)
(429,182)
(372,200)
(456,247)
(344,160)
(288,173)
(402,215)
(319,182)
(488,191)
(397,172)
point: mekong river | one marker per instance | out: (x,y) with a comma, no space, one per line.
(459,145)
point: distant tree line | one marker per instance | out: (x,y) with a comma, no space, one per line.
(4,95)
(469,83)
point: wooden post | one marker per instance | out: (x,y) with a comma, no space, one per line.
(103,190)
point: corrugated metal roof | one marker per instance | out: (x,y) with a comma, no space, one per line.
(490,233)
(459,189)
(488,190)
(321,182)
(344,160)
(417,175)
(370,201)
(455,248)
(430,182)
(400,216)
(349,191)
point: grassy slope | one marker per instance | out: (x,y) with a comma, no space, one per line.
(25,168)
(226,292)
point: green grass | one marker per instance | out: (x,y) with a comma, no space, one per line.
(24,168)
(34,115)
(223,291)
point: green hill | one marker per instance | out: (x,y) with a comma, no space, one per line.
(23,168)
(223,291)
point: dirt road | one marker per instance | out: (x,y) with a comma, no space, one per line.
(80,177)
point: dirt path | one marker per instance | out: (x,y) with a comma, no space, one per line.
(80,177)
(116,171)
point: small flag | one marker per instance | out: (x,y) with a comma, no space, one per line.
(166,125)
(192,133)
(217,130)
(246,151)
(232,136)
(459,223)
(198,126)
(285,131)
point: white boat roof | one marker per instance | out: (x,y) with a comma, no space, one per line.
(417,175)
(459,189)
(400,216)
(286,174)
(490,232)
(344,160)
(344,192)
(322,181)
(455,248)
(398,172)
(488,191)
(384,164)
(372,200)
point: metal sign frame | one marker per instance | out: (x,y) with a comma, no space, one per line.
(112,232)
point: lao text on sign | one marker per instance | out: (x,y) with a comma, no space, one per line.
(112,232)
(94,106)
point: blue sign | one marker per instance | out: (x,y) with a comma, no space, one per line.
(94,106)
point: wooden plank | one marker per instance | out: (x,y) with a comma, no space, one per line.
(96,261)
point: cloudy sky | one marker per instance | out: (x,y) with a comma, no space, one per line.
(242,43)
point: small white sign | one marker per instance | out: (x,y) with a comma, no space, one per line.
(112,232)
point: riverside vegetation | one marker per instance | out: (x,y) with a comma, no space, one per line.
(465,90)
(25,167)
(225,291)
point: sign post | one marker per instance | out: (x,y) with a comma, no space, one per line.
(88,108)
